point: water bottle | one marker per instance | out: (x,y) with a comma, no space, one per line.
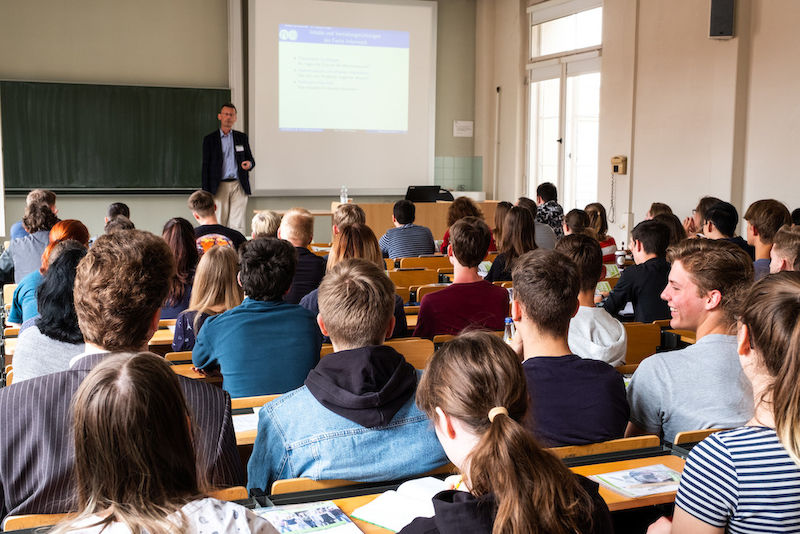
(343,194)
(508,333)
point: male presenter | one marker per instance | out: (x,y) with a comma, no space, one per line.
(227,161)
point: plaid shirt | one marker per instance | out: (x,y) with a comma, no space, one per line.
(552,214)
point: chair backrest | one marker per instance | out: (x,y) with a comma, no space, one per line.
(182,356)
(404,292)
(614,445)
(429,288)
(643,339)
(9,375)
(693,436)
(165,323)
(416,351)
(19,522)
(390,264)
(417,277)
(11,331)
(428,262)
(294,485)
(252,402)
(235,493)
(663,323)
(8,293)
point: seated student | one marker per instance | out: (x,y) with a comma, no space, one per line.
(701,386)
(134,457)
(764,218)
(642,284)
(120,222)
(406,239)
(48,342)
(179,235)
(518,238)
(120,286)
(576,222)
(549,210)
(545,236)
(265,345)
(598,222)
(462,207)
(721,221)
(24,255)
(297,227)
(355,417)
(265,223)
(23,304)
(500,212)
(37,196)
(210,232)
(214,291)
(677,233)
(694,224)
(658,208)
(748,479)
(115,209)
(574,401)
(345,214)
(469,301)
(785,253)
(356,240)
(474,392)
(593,333)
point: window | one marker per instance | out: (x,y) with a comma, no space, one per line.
(564,98)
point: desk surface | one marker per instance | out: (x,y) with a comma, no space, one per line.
(351,503)
(617,501)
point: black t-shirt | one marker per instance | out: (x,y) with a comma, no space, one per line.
(208,235)
(575,401)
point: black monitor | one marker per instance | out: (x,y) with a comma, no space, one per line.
(427,193)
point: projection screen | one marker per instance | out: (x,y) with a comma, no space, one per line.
(341,93)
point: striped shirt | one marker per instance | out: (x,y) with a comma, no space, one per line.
(407,241)
(742,478)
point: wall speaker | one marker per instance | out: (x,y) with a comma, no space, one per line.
(722,19)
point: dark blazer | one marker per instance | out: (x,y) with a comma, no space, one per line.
(642,285)
(309,273)
(36,465)
(212,160)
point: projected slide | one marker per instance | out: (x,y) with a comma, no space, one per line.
(342,79)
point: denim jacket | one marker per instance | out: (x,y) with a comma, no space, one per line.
(299,437)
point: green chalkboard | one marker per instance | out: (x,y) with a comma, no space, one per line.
(84,138)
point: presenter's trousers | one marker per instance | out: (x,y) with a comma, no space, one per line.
(232,205)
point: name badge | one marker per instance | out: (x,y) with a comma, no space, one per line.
(239,148)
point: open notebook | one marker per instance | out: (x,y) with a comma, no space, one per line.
(395,509)
(309,517)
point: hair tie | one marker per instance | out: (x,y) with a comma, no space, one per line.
(496,410)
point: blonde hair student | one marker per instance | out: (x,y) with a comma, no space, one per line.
(134,458)
(214,291)
(748,479)
(474,392)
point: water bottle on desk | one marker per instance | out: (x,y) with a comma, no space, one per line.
(508,333)
(343,195)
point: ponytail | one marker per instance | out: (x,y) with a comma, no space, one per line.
(533,489)
(771,311)
(786,396)
(477,379)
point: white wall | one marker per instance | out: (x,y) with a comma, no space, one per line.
(695,116)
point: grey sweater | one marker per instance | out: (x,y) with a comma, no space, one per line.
(36,354)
